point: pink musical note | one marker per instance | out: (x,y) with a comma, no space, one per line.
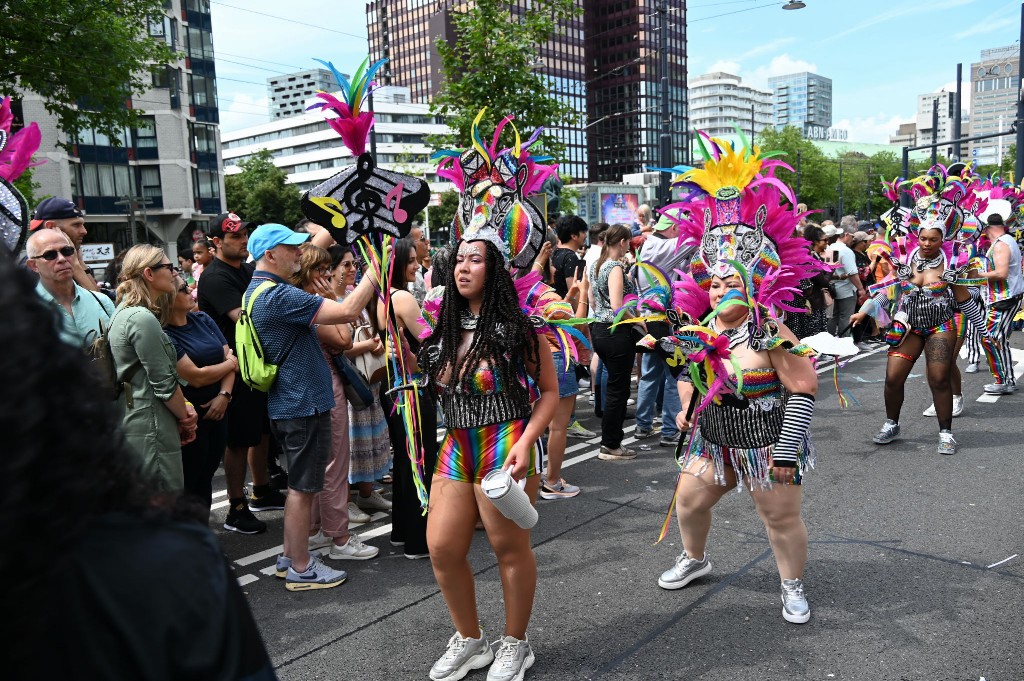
(400,215)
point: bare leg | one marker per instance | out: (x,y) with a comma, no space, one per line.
(779,508)
(453,513)
(696,494)
(516,562)
(938,355)
(557,437)
(297,508)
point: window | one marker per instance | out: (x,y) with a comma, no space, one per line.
(149,178)
(145,134)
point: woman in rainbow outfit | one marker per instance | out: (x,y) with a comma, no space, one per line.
(930,250)
(749,383)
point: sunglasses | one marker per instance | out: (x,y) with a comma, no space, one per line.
(172,268)
(66,251)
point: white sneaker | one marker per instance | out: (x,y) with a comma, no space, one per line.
(630,402)
(356,514)
(584,384)
(972,368)
(958,405)
(353,549)
(374,502)
(320,541)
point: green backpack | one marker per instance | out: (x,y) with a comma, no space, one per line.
(257,372)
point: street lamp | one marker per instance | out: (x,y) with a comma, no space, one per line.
(794,4)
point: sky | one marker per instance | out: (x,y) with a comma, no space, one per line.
(880,54)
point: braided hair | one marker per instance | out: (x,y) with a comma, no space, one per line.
(504,335)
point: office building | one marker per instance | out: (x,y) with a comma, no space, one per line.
(943,104)
(288,93)
(994,86)
(906,135)
(624,116)
(404,32)
(161,181)
(719,101)
(804,101)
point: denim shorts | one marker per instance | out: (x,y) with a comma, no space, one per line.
(306,445)
(568,386)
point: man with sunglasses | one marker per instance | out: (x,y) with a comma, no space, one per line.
(63,215)
(84,314)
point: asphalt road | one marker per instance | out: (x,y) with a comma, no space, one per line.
(916,567)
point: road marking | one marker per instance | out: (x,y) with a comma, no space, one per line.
(221,504)
(1017,356)
(222,493)
(247,579)
(1004,560)
(256,557)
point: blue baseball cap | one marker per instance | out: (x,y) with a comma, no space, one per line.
(267,236)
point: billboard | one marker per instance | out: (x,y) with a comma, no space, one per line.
(619,208)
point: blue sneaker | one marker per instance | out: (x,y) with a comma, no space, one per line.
(283,564)
(315,576)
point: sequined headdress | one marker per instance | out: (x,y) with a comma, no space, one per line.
(15,157)
(494,184)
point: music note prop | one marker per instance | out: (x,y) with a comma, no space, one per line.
(363,195)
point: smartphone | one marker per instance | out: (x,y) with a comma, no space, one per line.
(835,256)
(580,267)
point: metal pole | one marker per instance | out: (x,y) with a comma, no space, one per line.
(665,138)
(798,154)
(1018,168)
(935,130)
(957,130)
(904,199)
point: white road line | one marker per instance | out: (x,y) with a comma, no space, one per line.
(222,493)
(270,571)
(256,557)
(221,504)
(247,579)
(1004,560)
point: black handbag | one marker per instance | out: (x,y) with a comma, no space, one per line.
(357,390)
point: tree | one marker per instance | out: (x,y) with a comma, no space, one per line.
(85,58)
(492,65)
(259,193)
(813,178)
(441,216)
(28,188)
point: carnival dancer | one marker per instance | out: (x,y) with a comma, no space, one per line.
(754,380)
(497,386)
(929,249)
(1005,286)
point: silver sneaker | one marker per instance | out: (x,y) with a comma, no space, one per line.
(512,660)
(684,571)
(890,429)
(794,602)
(1000,388)
(947,445)
(462,656)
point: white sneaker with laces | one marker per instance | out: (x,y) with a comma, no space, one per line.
(511,661)
(356,514)
(461,657)
(319,541)
(374,502)
(353,549)
(972,368)
(958,405)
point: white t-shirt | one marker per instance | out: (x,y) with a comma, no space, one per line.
(847,265)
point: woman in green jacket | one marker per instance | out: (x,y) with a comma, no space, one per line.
(157,419)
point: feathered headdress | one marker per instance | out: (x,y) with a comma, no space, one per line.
(494,185)
(15,158)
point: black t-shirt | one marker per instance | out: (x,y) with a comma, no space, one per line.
(149,600)
(566,264)
(220,290)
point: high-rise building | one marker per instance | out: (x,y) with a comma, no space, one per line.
(624,112)
(161,181)
(404,32)
(288,93)
(906,135)
(804,101)
(944,103)
(719,101)
(994,85)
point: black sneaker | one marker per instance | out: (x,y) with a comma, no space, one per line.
(240,519)
(279,481)
(271,501)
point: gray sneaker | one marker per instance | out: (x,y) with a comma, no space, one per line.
(947,445)
(1000,388)
(890,429)
(794,602)
(315,576)
(669,440)
(643,433)
(283,563)
(684,571)
(620,454)
(462,656)
(512,660)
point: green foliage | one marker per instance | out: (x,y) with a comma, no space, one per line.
(441,217)
(28,188)
(82,52)
(259,193)
(490,66)
(570,196)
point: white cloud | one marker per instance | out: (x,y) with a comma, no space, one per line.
(896,13)
(873,129)
(779,66)
(726,66)
(243,111)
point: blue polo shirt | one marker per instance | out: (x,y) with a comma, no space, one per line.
(283,318)
(90,315)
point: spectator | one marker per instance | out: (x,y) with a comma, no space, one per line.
(845,280)
(185,265)
(208,364)
(63,215)
(157,418)
(812,291)
(84,314)
(417,285)
(300,400)
(329,519)
(82,487)
(616,347)
(859,245)
(408,524)
(644,221)
(566,265)
(220,288)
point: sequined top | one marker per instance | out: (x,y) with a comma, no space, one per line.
(752,420)
(603,310)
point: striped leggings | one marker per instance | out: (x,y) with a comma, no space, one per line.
(997,349)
